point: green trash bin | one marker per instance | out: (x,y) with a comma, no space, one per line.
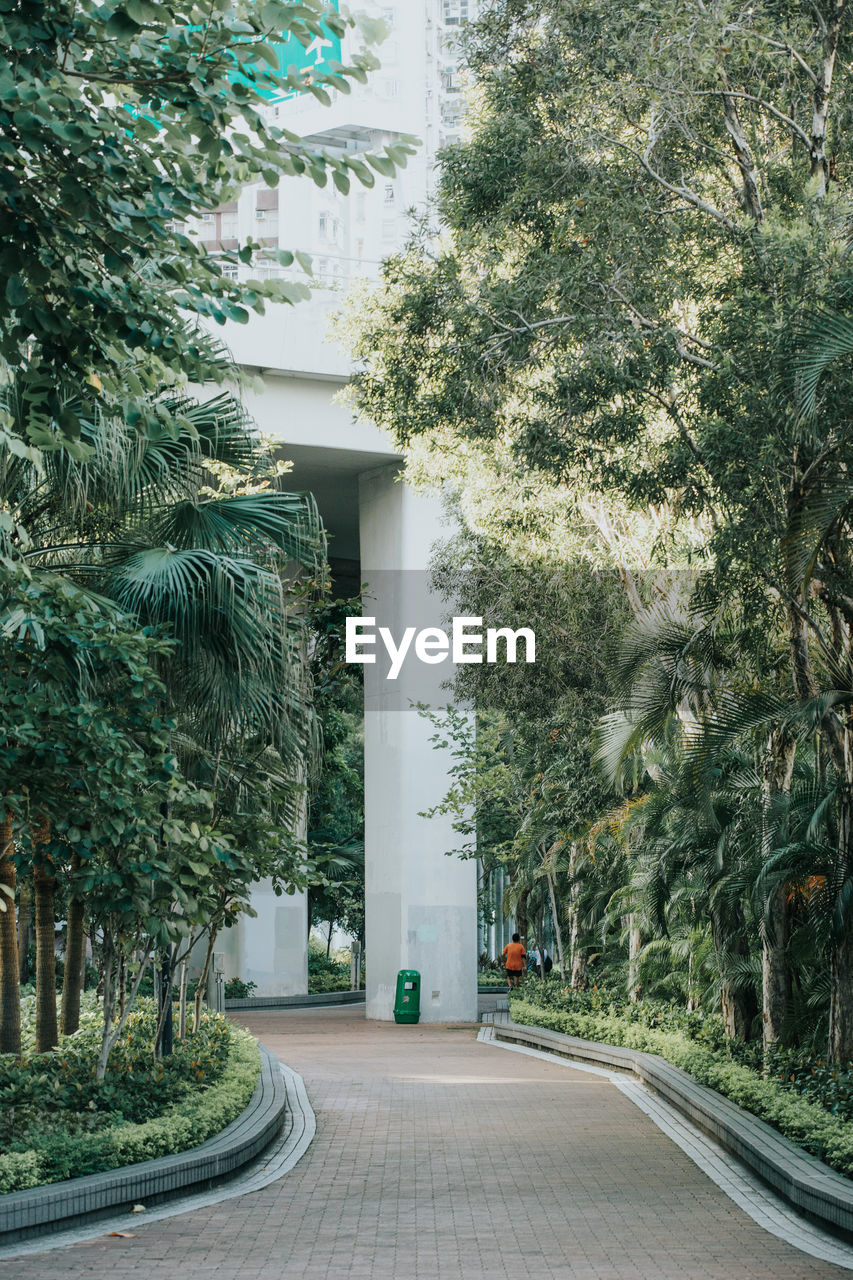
(407,1003)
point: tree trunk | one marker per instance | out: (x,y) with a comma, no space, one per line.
(10,991)
(840,1049)
(163,1041)
(778,772)
(558,932)
(577,952)
(841,1000)
(75,963)
(521,917)
(25,928)
(121,998)
(635,946)
(202,981)
(738,1002)
(44,894)
(112,1030)
(106,982)
(580,972)
(775,970)
(182,1000)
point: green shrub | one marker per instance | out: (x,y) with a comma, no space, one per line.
(237,989)
(320,982)
(19,1171)
(810,1125)
(491,978)
(326,973)
(58,1121)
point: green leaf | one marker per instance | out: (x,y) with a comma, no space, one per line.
(16,291)
(144,11)
(267,54)
(121,25)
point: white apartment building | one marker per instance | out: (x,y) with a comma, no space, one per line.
(418,90)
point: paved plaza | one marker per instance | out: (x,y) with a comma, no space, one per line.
(441,1158)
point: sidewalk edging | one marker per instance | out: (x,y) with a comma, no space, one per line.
(294,1002)
(804,1181)
(24,1214)
(321,999)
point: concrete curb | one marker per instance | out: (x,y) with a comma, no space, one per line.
(24,1214)
(324,998)
(295,1002)
(802,1180)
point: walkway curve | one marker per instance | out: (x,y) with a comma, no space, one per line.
(279,1158)
(437,1158)
(741,1185)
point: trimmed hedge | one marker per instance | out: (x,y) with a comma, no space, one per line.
(195,1117)
(822,1134)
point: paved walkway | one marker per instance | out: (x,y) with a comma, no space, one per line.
(438,1158)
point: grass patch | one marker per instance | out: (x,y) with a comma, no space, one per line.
(57,1121)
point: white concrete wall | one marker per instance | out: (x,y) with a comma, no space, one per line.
(270,949)
(420,906)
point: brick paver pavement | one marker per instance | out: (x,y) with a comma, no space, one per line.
(439,1158)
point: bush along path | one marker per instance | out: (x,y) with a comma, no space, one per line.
(807,1101)
(58,1121)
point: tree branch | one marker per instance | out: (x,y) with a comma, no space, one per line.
(684,192)
(822,92)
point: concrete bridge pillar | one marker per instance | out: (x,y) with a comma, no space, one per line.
(421,905)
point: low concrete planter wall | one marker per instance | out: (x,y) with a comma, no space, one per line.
(295,1002)
(327,997)
(804,1181)
(64,1204)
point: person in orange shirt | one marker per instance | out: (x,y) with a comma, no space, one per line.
(515,961)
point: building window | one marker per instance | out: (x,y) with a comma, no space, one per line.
(455,11)
(229,270)
(389,192)
(267,221)
(330,227)
(229,226)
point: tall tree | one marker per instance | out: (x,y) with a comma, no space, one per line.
(120,122)
(648,208)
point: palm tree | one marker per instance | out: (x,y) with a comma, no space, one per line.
(679,716)
(179,522)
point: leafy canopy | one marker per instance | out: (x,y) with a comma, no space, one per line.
(118,121)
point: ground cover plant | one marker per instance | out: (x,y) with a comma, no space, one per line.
(58,1120)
